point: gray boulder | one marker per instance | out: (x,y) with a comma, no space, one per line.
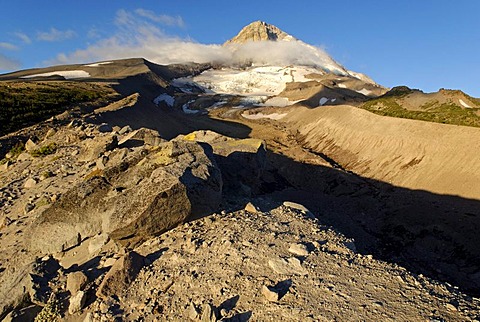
(142,196)
(242,161)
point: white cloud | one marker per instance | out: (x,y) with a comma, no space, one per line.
(137,37)
(163,19)
(23,37)
(8,46)
(55,35)
(7,63)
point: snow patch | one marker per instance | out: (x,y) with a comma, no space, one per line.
(169,100)
(322,101)
(273,116)
(364,91)
(464,104)
(67,74)
(278,102)
(186,110)
(98,64)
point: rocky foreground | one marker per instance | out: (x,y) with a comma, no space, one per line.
(111,224)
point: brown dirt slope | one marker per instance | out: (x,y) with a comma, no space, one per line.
(439,158)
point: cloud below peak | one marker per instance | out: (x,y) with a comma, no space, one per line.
(137,34)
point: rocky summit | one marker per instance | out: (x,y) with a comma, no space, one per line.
(259,31)
(271,191)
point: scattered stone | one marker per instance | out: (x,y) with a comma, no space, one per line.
(192,312)
(101,162)
(296,206)
(140,137)
(451,307)
(77,302)
(76,281)
(25,156)
(251,208)
(30,146)
(122,273)
(5,222)
(75,123)
(30,183)
(124,130)
(270,294)
(51,132)
(45,175)
(28,207)
(97,242)
(89,317)
(109,262)
(298,249)
(105,128)
(291,266)
(208,314)
(4,166)
(92,149)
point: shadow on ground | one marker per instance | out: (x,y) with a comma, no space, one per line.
(430,234)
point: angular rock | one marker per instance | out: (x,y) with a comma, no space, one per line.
(76,281)
(251,208)
(92,149)
(27,284)
(208,314)
(6,221)
(30,146)
(298,249)
(291,266)
(138,198)
(97,242)
(120,275)
(270,294)
(140,137)
(4,166)
(77,302)
(124,130)
(24,156)
(242,162)
(30,183)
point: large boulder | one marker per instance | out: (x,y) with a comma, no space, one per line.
(146,194)
(140,137)
(242,161)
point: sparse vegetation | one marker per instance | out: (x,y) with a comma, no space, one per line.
(45,150)
(24,104)
(50,312)
(16,150)
(388,105)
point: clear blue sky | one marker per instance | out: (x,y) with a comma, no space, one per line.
(426,44)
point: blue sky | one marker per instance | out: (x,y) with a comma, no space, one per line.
(425,44)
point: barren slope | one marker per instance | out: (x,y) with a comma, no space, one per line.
(439,158)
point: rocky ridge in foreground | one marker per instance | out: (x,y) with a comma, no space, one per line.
(251,259)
